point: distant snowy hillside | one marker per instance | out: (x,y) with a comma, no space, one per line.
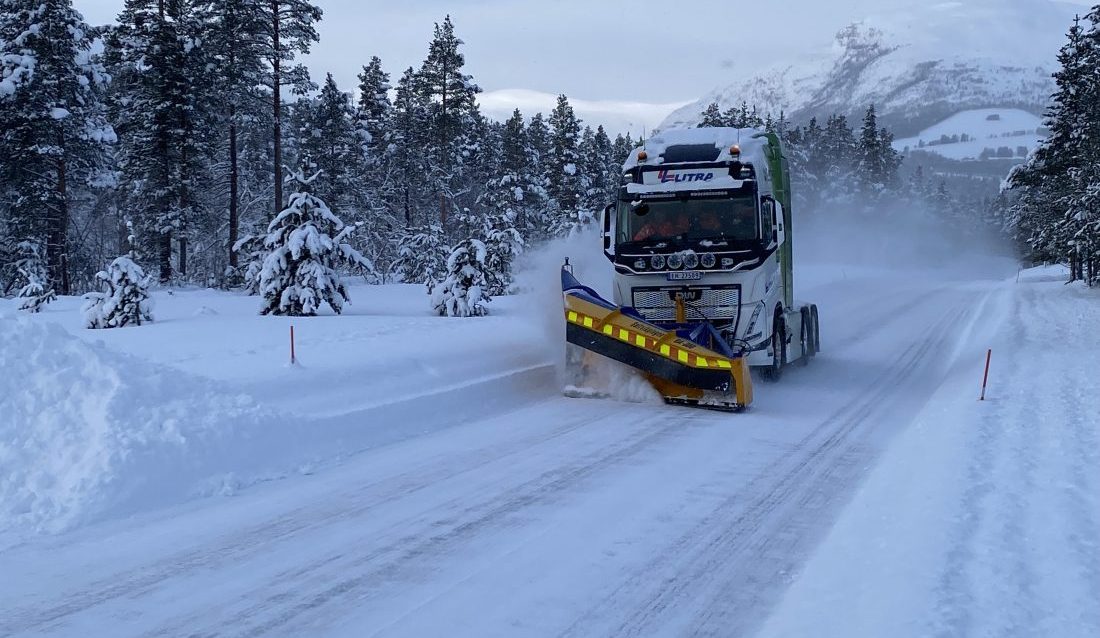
(628,118)
(918,66)
(979,134)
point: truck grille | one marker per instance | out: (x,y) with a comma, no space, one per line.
(717,304)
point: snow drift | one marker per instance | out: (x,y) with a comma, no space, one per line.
(84,430)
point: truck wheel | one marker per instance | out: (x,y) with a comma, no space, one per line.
(774,372)
(817,329)
(806,336)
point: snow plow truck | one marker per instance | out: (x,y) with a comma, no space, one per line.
(701,246)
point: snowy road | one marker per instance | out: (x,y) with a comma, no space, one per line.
(565,517)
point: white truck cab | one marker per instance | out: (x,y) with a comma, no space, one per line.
(703,217)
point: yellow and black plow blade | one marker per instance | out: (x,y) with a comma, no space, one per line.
(682,369)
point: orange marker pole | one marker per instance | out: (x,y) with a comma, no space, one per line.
(985,379)
(293,360)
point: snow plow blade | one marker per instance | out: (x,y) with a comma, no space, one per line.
(688,364)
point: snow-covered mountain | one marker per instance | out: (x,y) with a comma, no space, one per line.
(918,66)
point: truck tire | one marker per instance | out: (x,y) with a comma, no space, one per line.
(817,329)
(774,372)
(806,336)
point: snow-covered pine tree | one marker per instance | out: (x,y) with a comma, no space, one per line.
(877,163)
(36,291)
(743,116)
(331,145)
(620,150)
(503,198)
(449,94)
(538,146)
(251,248)
(306,244)
(463,292)
(421,255)
(373,110)
(125,300)
(234,38)
(408,167)
(1049,187)
(596,154)
(163,103)
(54,132)
(519,169)
(564,171)
(712,116)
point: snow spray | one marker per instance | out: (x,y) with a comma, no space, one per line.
(539,280)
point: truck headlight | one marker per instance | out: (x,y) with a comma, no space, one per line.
(691,261)
(639,264)
(657,262)
(675,261)
(707,260)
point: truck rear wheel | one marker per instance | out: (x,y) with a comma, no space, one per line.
(806,336)
(816,330)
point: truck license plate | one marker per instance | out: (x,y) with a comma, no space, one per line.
(685,276)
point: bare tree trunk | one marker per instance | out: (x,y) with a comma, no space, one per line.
(234,214)
(57,236)
(183,204)
(443,155)
(276,78)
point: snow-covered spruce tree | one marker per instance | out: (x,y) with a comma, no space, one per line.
(566,183)
(421,255)
(163,101)
(712,116)
(519,163)
(877,161)
(406,161)
(1049,185)
(450,97)
(596,153)
(329,142)
(251,249)
(463,292)
(36,291)
(290,30)
(373,110)
(502,199)
(125,300)
(306,244)
(234,36)
(53,130)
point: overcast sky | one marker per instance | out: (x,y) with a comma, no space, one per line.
(644,52)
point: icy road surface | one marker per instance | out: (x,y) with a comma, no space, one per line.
(561,518)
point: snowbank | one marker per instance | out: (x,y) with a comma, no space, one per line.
(84,430)
(98,424)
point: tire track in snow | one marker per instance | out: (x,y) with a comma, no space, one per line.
(444,531)
(256,539)
(704,566)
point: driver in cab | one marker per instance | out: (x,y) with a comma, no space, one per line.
(736,226)
(668,227)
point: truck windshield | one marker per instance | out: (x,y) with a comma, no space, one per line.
(692,220)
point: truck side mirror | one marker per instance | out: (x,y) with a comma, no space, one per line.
(769,229)
(608,231)
(780,231)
